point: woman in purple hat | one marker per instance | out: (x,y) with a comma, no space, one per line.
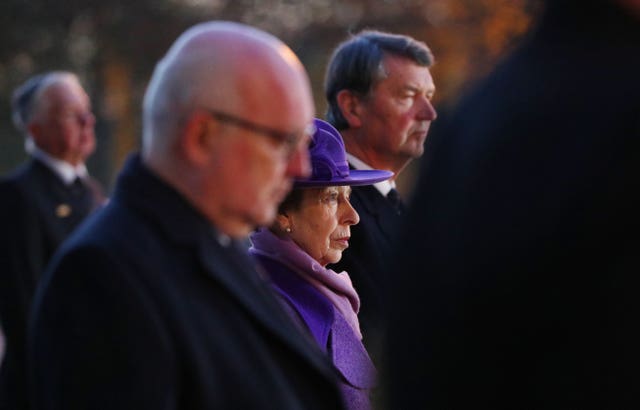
(311,230)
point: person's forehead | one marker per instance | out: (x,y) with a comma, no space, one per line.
(65,93)
(399,69)
(345,189)
(332,188)
(295,106)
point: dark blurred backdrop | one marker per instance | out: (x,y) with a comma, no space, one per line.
(113,45)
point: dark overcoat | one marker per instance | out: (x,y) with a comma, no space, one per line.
(520,258)
(146,308)
(372,240)
(37,212)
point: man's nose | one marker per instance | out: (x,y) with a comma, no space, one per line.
(87,119)
(427,112)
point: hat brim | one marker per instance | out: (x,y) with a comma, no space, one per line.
(355,178)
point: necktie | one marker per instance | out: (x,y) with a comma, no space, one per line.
(81,198)
(394,199)
(89,189)
(77,187)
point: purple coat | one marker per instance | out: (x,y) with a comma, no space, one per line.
(329,329)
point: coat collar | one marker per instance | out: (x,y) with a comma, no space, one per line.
(383,187)
(367,199)
(232,268)
(229,266)
(315,309)
(161,204)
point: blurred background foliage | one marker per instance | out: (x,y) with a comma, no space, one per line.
(113,45)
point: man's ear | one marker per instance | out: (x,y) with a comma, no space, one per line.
(351,107)
(35,130)
(196,138)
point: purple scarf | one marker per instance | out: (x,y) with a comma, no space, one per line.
(336,287)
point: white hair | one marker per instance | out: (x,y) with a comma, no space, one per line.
(26,99)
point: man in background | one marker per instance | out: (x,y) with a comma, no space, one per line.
(379,90)
(155,303)
(521,255)
(41,203)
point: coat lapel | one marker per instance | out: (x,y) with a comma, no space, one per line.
(230,267)
(368,199)
(233,269)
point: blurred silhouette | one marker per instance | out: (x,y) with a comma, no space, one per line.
(519,259)
(41,203)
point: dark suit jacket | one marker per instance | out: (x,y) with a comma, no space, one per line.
(521,248)
(144,309)
(371,241)
(37,212)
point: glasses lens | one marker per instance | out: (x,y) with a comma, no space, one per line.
(291,142)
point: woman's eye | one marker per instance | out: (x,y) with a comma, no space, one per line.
(331,198)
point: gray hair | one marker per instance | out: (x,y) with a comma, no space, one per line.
(26,97)
(357,63)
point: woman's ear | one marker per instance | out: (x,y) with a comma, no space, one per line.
(283,222)
(351,107)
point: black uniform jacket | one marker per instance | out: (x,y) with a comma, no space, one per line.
(37,212)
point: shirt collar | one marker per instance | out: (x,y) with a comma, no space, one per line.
(383,187)
(65,171)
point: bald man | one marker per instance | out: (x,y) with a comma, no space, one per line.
(41,203)
(155,304)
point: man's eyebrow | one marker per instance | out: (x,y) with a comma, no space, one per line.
(429,90)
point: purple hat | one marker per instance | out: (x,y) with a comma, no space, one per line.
(329,166)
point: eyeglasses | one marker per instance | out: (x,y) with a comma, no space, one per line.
(290,140)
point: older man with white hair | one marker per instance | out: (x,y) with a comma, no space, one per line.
(41,203)
(155,304)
